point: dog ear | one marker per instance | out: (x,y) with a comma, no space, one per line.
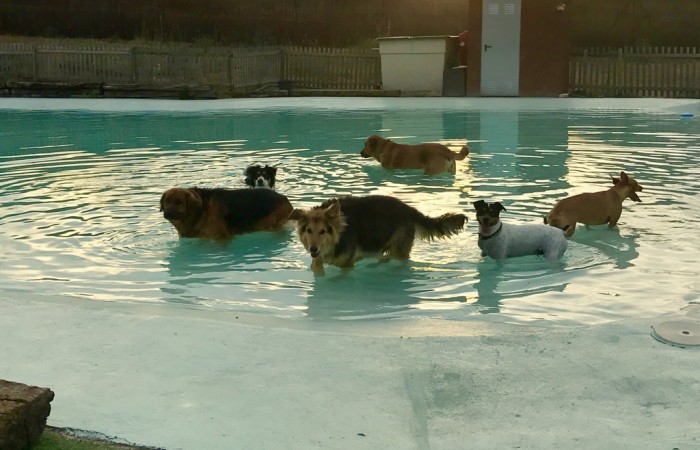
(273,170)
(297,214)
(614,180)
(479,205)
(162,201)
(333,209)
(193,203)
(498,207)
(625,179)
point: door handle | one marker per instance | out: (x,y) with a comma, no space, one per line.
(487,47)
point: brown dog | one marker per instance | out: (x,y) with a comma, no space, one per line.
(343,230)
(223,213)
(433,158)
(595,208)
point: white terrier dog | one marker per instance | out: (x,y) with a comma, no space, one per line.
(500,241)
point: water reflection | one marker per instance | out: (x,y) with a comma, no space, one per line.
(376,289)
(522,157)
(516,279)
(364,292)
(618,246)
(223,270)
(80,192)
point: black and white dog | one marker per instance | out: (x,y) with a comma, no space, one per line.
(500,241)
(257,176)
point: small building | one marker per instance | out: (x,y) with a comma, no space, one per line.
(518,48)
(419,65)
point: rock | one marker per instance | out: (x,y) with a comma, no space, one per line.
(23,413)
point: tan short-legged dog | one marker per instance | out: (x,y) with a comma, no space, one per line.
(594,208)
(343,230)
(223,213)
(432,158)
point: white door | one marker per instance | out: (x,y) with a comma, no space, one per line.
(500,50)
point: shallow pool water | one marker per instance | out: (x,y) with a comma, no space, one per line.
(80,183)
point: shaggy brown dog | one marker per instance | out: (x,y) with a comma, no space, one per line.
(594,208)
(343,230)
(223,213)
(433,158)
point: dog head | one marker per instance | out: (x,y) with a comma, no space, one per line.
(488,215)
(373,147)
(180,205)
(630,184)
(257,176)
(319,228)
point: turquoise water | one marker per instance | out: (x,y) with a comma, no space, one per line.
(80,183)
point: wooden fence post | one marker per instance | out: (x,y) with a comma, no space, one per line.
(283,63)
(34,62)
(229,72)
(134,67)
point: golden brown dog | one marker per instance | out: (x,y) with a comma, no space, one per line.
(433,158)
(594,208)
(343,230)
(223,213)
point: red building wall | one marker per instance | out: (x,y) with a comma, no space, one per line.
(545,48)
(474,49)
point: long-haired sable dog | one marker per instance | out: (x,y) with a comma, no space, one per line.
(433,158)
(343,230)
(223,213)
(594,208)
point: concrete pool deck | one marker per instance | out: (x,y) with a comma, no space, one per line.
(165,376)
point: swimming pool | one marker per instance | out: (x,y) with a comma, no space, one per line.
(80,182)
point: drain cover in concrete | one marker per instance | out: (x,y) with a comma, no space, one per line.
(682,333)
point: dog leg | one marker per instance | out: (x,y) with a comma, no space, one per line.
(614,218)
(345,265)
(317,266)
(433,166)
(401,243)
(452,167)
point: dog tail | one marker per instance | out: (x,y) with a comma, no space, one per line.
(463,153)
(556,224)
(446,225)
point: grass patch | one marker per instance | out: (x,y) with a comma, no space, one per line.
(60,439)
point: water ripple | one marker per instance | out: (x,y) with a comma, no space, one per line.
(79,211)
